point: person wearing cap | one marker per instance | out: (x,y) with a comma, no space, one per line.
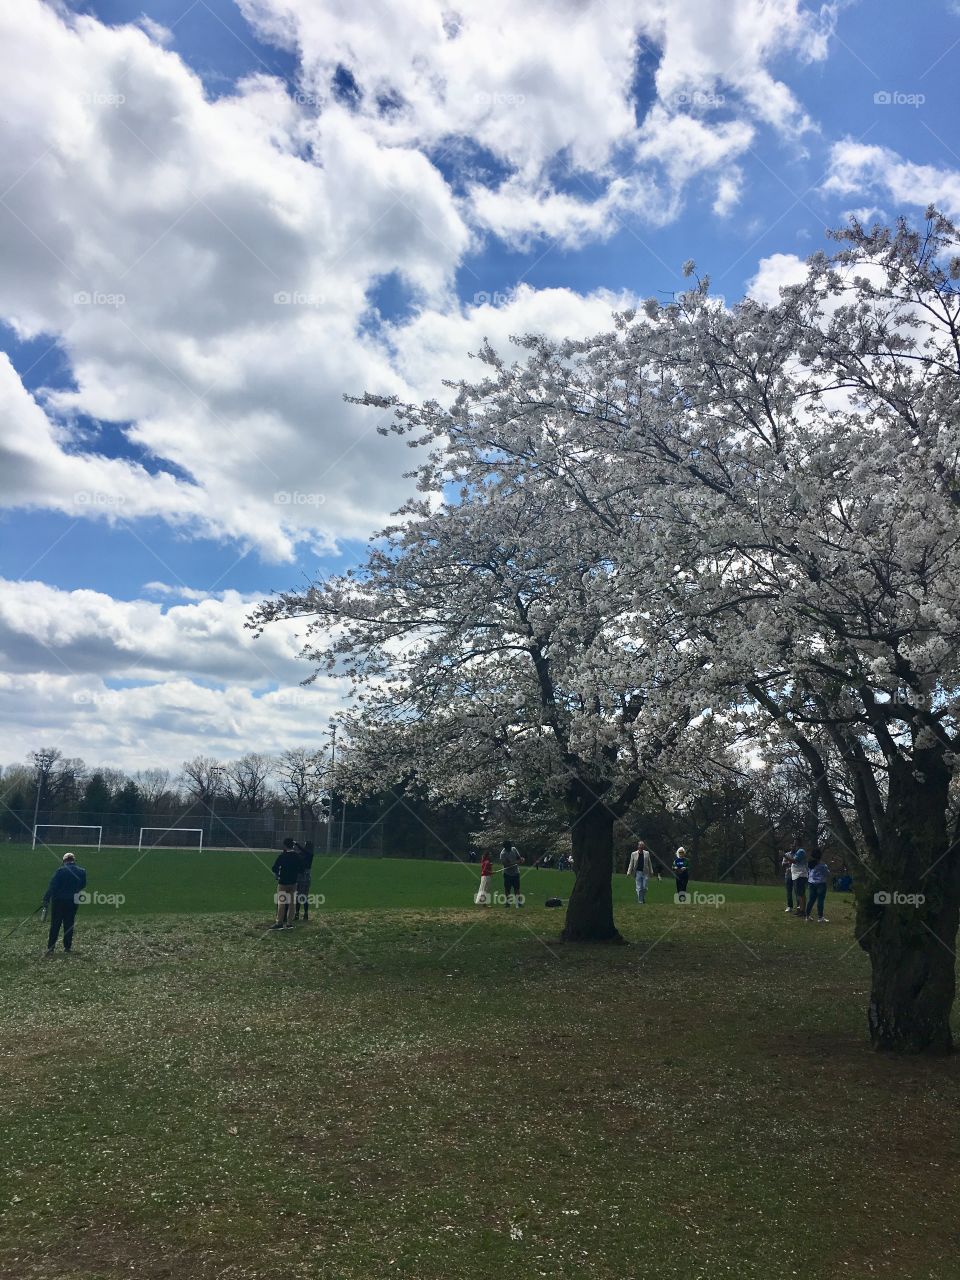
(62,897)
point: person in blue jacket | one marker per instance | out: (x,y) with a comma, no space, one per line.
(62,897)
(681,873)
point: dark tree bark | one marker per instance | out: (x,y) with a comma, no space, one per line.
(590,909)
(907,915)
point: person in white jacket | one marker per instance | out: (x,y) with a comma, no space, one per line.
(641,866)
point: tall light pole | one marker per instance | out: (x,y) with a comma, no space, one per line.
(42,762)
(333,763)
(216,774)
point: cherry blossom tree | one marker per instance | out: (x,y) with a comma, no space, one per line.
(794,471)
(492,649)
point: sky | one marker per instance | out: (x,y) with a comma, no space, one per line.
(218,217)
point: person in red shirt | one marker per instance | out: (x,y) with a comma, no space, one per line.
(484,896)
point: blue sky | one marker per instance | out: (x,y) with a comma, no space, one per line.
(218,217)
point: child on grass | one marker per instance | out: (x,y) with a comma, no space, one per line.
(486,877)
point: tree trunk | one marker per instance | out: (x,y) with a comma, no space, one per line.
(907,915)
(590,910)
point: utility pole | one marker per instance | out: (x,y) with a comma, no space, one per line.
(333,762)
(42,762)
(216,774)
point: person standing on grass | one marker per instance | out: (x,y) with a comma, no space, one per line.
(303,881)
(817,875)
(798,875)
(787,868)
(681,872)
(486,880)
(511,861)
(641,866)
(287,869)
(62,897)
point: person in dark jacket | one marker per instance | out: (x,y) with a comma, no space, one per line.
(286,868)
(62,897)
(303,881)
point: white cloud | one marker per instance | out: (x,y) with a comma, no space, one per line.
(435,347)
(550,84)
(729,186)
(157,725)
(43,628)
(151,231)
(206,267)
(774,274)
(857,168)
(189,674)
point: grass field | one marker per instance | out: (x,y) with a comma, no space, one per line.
(240,880)
(410,1086)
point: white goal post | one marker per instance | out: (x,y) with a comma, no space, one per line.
(165,831)
(67,826)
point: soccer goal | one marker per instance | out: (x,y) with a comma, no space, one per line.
(170,838)
(64,829)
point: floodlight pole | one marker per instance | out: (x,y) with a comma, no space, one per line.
(215,776)
(42,761)
(333,763)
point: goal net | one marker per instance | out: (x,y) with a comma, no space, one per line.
(171,838)
(53,833)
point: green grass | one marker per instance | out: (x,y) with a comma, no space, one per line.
(439,1091)
(239,880)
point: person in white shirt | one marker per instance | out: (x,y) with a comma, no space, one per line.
(641,866)
(798,874)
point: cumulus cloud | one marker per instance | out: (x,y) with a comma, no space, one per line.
(135,683)
(773,274)
(43,628)
(207,268)
(548,85)
(157,725)
(858,168)
(207,265)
